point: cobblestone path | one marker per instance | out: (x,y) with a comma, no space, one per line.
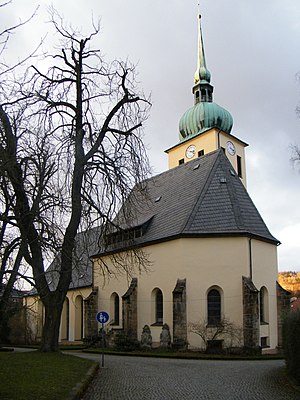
(133,378)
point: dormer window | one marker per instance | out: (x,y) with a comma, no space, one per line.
(129,234)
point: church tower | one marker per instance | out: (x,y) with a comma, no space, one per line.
(206,126)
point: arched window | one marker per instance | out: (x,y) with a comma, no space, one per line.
(158,312)
(115,309)
(213,307)
(78,318)
(263,305)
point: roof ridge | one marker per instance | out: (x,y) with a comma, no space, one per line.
(199,199)
(233,197)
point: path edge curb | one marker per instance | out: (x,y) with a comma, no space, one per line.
(80,388)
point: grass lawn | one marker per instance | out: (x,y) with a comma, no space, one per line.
(41,376)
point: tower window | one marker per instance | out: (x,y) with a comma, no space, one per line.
(197,95)
(239,166)
(181,161)
(200,153)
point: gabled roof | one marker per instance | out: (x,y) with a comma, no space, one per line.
(203,197)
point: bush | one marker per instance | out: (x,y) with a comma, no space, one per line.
(291,343)
(124,342)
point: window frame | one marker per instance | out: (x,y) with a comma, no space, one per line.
(214,306)
(158,307)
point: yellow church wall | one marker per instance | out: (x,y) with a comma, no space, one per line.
(204,263)
(264,274)
(210,141)
(76,323)
(240,151)
(75,329)
(206,141)
(34,318)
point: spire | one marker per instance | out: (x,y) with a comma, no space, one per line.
(202,89)
(205,114)
(202,74)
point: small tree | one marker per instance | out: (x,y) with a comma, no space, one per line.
(224,330)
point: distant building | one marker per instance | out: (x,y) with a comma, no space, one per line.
(12,318)
(212,257)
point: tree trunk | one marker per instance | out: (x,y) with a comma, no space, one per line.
(50,336)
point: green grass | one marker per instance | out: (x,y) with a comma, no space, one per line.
(42,376)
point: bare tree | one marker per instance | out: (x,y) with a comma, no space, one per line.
(295,157)
(72,158)
(11,253)
(224,330)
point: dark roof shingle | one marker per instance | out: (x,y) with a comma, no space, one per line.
(203,197)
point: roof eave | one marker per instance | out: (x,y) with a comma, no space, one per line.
(185,235)
(204,131)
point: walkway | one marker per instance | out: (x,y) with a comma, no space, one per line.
(128,378)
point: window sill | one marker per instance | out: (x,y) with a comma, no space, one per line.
(157,324)
(213,325)
(265,347)
(264,323)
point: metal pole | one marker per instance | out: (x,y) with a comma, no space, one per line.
(102,363)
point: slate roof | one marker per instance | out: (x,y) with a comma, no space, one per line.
(203,197)
(82,274)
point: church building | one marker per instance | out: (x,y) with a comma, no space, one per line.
(211,275)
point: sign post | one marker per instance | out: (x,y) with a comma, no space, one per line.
(102,317)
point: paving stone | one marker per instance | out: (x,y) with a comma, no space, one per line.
(137,378)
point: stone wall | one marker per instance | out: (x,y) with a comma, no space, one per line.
(250,314)
(179,315)
(129,310)
(91,309)
(283,307)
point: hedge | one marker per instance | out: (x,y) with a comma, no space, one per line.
(291,343)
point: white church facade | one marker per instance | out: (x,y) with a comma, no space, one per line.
(211,260)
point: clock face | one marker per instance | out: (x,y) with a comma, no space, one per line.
(190,151)
(230,148)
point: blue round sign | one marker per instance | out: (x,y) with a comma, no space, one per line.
(102,317)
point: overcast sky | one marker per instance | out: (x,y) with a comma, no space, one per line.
(253,53)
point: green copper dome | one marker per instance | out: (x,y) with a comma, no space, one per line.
(203,116)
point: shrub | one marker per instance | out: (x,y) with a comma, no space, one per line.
(291,343)
(125,342)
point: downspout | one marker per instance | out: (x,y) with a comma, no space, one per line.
(218,139)
(250,258)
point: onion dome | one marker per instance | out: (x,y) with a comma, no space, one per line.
(204,114)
